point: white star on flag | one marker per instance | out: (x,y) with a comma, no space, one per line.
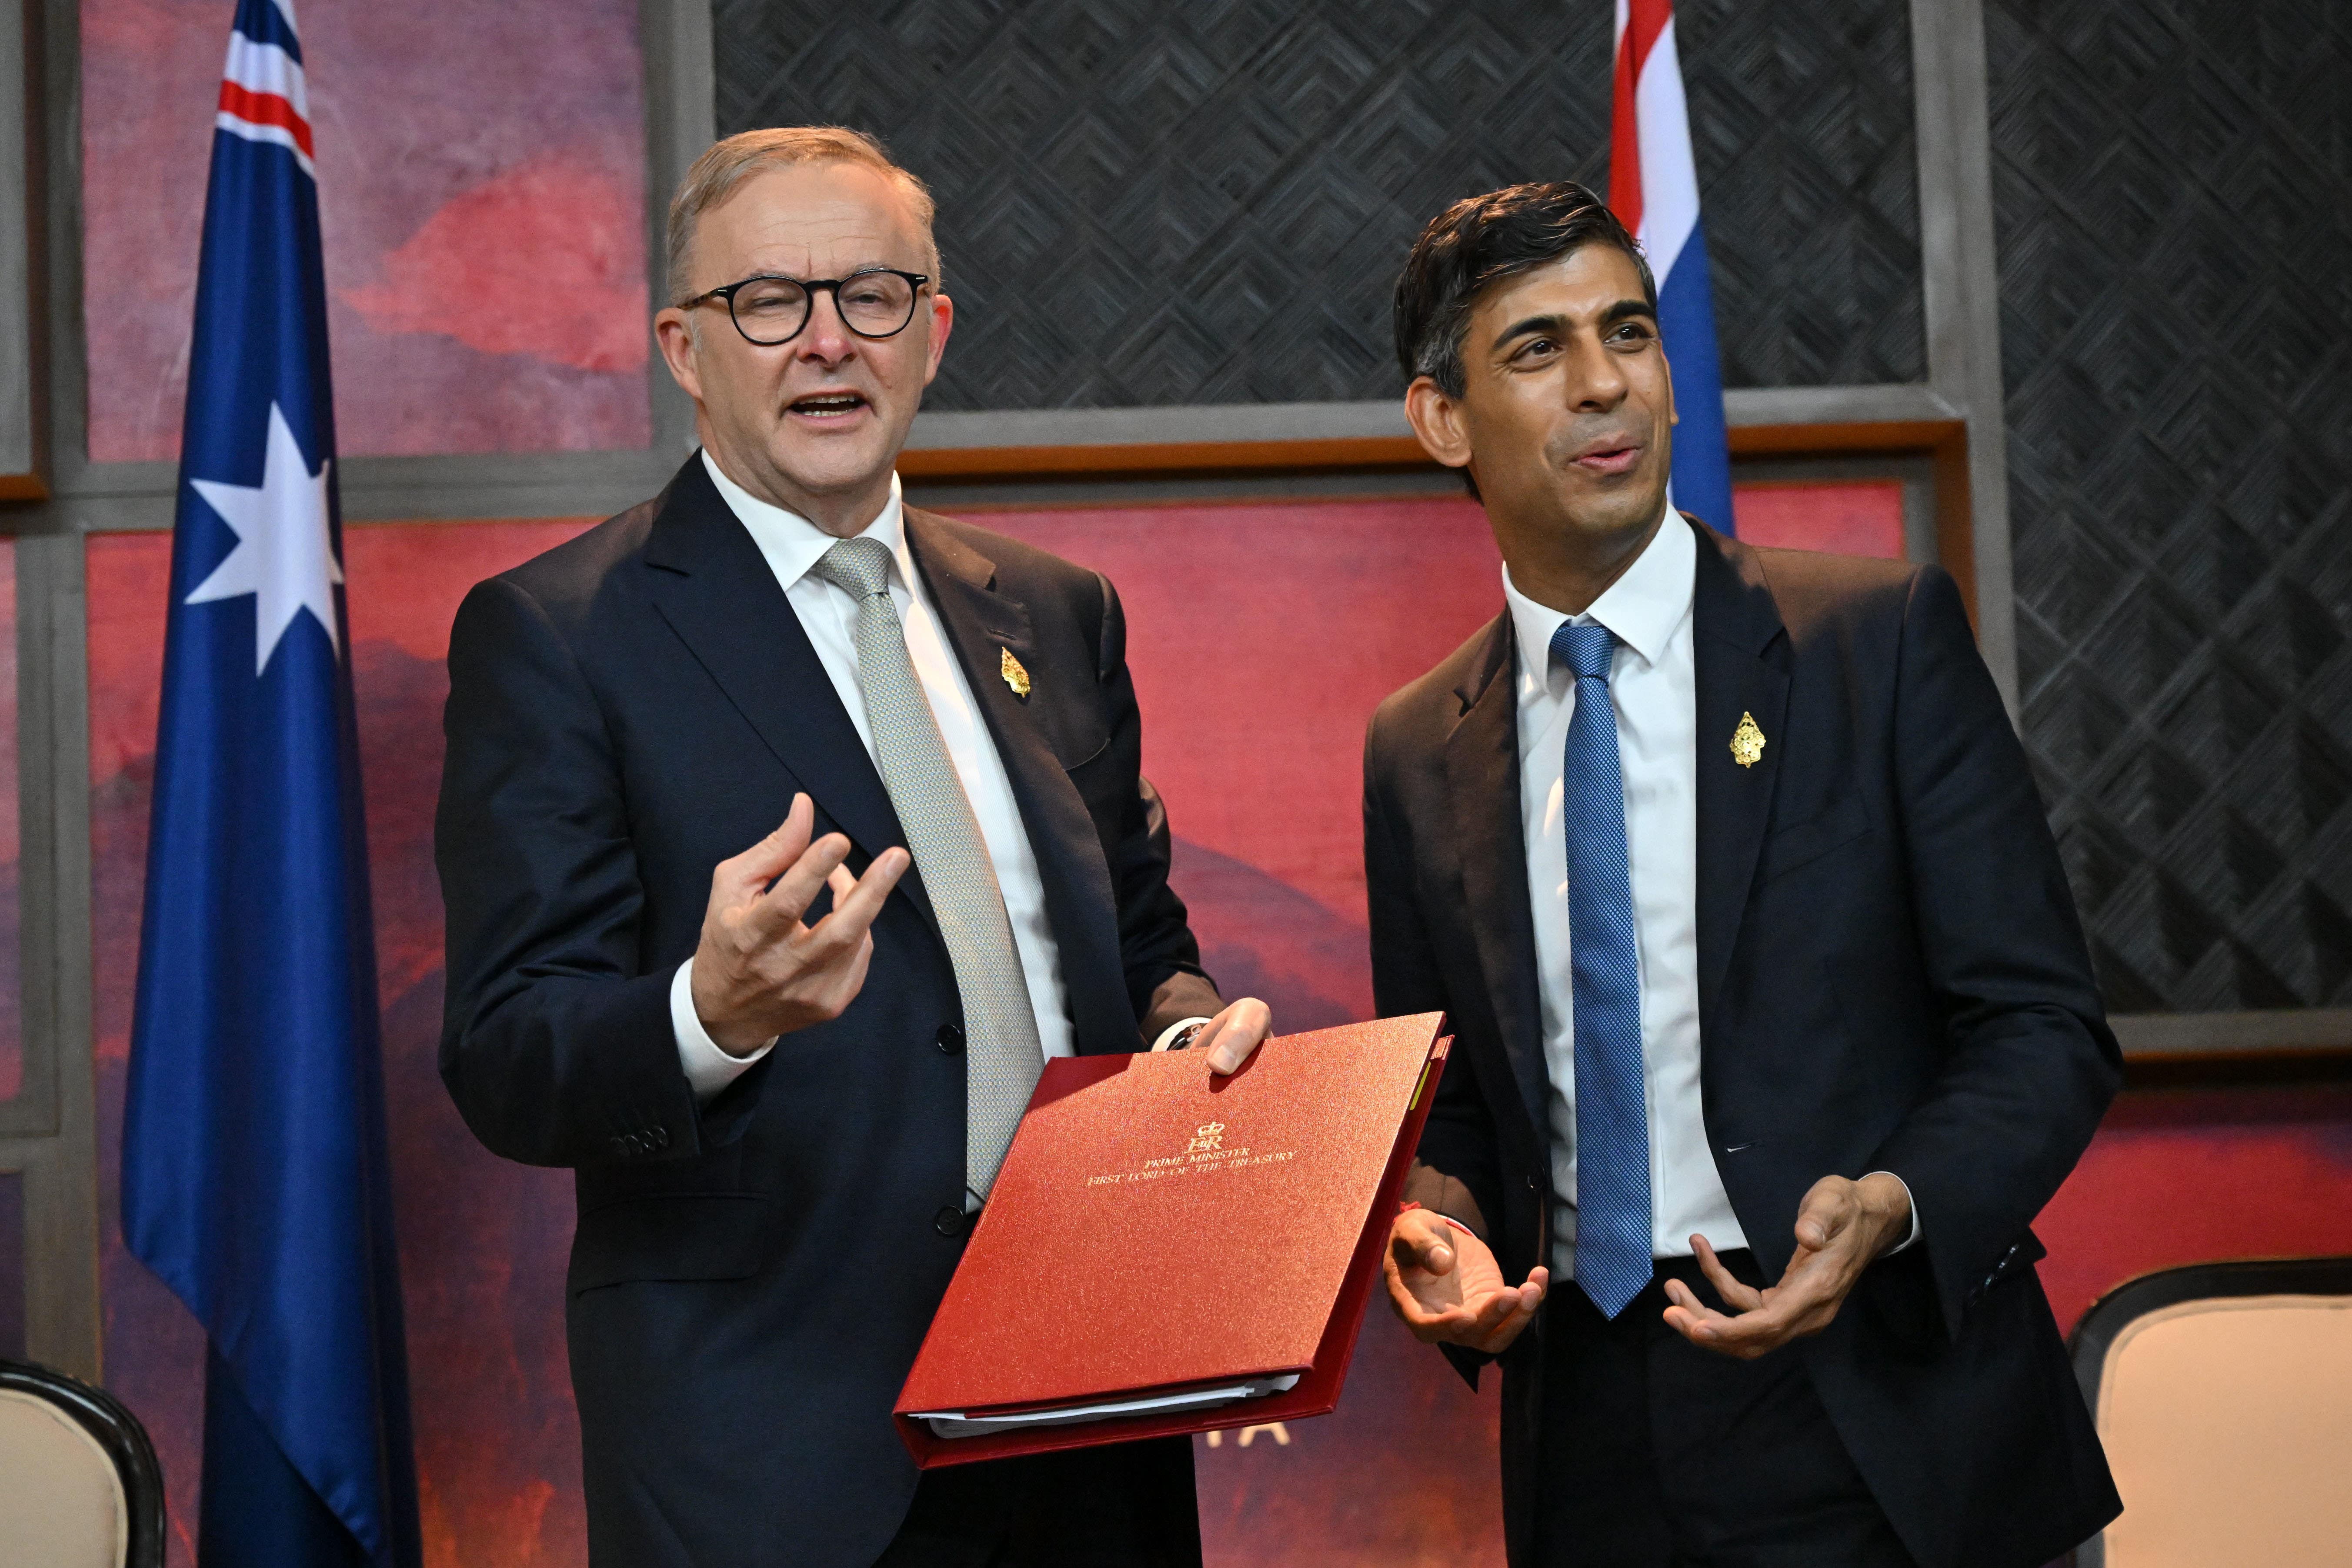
(283,555)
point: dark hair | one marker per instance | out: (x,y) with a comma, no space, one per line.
(1479,240)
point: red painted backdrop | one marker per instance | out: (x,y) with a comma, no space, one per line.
(1262,635)
(1852,517)
(481,201)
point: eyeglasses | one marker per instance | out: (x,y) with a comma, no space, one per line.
(876,303)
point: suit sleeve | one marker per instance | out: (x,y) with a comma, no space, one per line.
(2029,1064)
(1457,1157)
(557,1050)
(1161,959)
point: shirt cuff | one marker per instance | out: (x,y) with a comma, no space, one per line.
(709,1066)
(1908,1203)
(1174,1029)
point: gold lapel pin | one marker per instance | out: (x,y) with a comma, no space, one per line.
(1746,741)
(1014,676)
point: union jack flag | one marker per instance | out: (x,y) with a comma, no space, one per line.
(1653,191)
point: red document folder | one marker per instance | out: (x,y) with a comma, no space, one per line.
(1158,1231)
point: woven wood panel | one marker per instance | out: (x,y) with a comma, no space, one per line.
(1801,123)
(2173,193)
(1145,204)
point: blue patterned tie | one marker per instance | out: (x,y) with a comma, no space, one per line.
(1613,1131)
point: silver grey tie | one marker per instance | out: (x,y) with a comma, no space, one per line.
(1003,1058)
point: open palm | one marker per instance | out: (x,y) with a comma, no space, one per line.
(1444,1283)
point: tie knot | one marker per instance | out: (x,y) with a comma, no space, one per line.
(859,567)
(1589,651)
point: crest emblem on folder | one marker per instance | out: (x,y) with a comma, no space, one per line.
(1014,675)
(1210,1137)
(1746,741)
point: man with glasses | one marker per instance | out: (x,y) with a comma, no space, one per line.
(785,831)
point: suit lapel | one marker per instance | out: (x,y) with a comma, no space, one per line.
(711,583)
(982,623)
(1740,654)
(1482,770)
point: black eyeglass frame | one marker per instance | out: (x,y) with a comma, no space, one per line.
(811,287)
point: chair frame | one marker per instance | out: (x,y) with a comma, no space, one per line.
(2098,1328)
(109,1421)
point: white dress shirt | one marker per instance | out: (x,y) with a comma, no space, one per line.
(1654,687)
(793,545)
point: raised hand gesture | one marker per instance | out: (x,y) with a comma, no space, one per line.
(758,970)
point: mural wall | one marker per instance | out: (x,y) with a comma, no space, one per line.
(1261,637)
(481,198)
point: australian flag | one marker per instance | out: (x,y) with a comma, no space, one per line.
(255,1177)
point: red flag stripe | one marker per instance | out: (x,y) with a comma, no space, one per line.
(1625,145)
(1644,20)
(266,108)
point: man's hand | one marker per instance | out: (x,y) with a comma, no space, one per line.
(1232,1034)
(758,970)
(1842,1226)
(1448,1288)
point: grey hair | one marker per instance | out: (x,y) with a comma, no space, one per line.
(725,165)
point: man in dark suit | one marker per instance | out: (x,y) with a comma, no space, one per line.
(1775,1024)
(785,1074)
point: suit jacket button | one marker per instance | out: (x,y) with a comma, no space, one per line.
(951,1040)
(948,1221)
(619,1144)
(658,1139)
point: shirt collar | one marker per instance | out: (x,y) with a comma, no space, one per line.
(791,543)
(1644,608)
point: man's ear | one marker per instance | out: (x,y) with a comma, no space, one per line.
(675,335)
(1673,415)
(942,323)
(1437,422)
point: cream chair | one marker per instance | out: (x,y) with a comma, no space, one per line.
(80,1487)
(2224,1394)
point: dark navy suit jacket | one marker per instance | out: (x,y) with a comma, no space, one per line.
(1891,977)
(750,1279)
